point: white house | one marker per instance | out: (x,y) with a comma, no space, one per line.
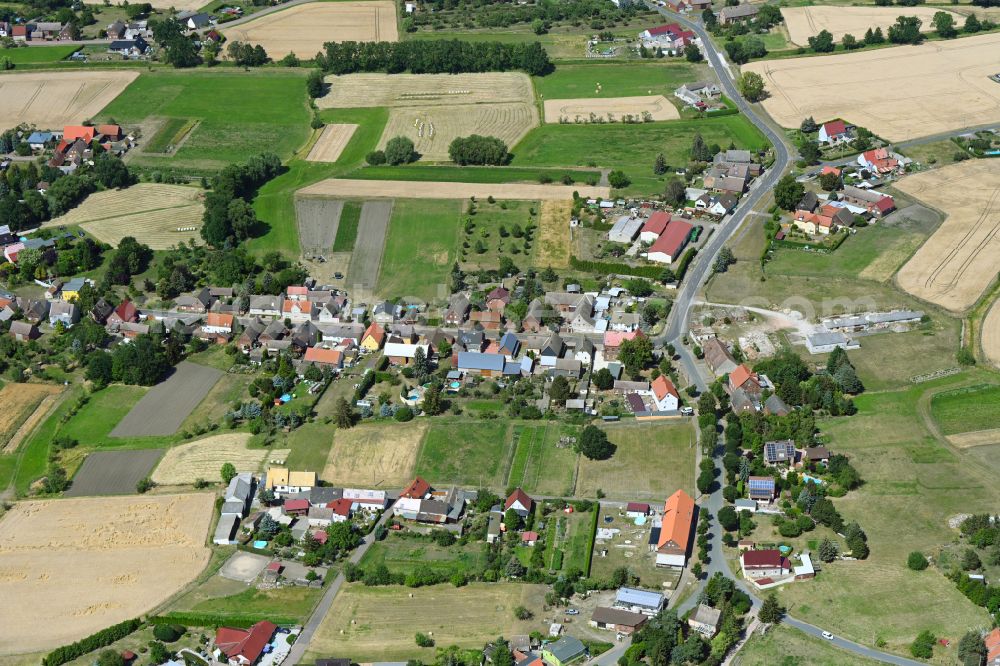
(833,133)
(665,394)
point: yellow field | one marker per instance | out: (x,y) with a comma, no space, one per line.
(380,455)
(579,110)
(433,128)
(204,458)
(51,100)
(74,566)
(956,265)
(806,22)
(331,143)
(304,29)
(158,215)
(20,401)
(916,90)
(554,234)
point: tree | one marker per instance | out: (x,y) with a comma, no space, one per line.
(965,357)
(827,550)
(699,150)
(808,125)
(635,354)
(809,150)
(705,480)
(343,415)
(403,414)
(674,192)
(850,42)
(692,53)
(512,520)
(916,561)
(660,165)
(771,611)
(788,193)
(603,379)
(559,390)
(315,85)
(110,658)
(228,472)
(970,560)
(594,444)
(400,150)
(111,172)
(923,645)
(538,27)
(751,86)
(158,653)
(728,519)
(906,30)
(822,42)
(830,182)
(971,649)
(423,640)
(723,260)
(420,367)
(432,400)
(857,541)
(618,180)
(972,24)
(477,149)
(944,25)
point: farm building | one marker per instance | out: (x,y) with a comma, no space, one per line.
(402,353)
(738,14)
(824,343)
(625,229)
(668,247)
(617,619)
(675,530)
(480,364)
(718,358)
(639,601)
(670,37)
(757,564)
(282,480)
(654,226)
(872,321)
(876,203)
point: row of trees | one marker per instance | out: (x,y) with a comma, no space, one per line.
(501,14)
(228,215)
(449,56)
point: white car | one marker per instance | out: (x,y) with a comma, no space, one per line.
(827,635)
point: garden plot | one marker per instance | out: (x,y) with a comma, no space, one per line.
(922,90)
(433,109)
(332,142)
(75,566)
(806,22)
(380,455)
(956,265)
(304,29)
(163,409)
(53,99)
(113,472)
(611,109)
(159,216)
(21,402)
(203,458)
(405,189)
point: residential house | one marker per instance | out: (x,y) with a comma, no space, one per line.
(39,140)
(743,504)
(639,601)
(568,304)
(876,203)
(131,330)
(879,161)
(833,133)
(563,651)
(816,454)
(116,30)
(534,319)
(386,313)
(239,494)
(746,379)
(551,350)
(458,310)
(20,33)
(295,507)
(613,341)
(665,394)
(402,353)
(675,530)
(35,310)
(717,357)
(340,510)
(324,358)
(297,311)
(758,564)
(244,647)
(705,620)
(365,500)
(781,452)
(520,502)
(49,30)
(654,226)
(809,202)
(193,20)
(992,642)
(418,489)
(698,92)
(738,14)
(566,367)
(24,331)
(64,312)
(265,305)
(307,335)
(217,323)
(671,243)
(480,364)
(494,530)
(129,48)
(282,481)
(637,509)
(198,302)
(624,321)
(616,619)
(761,488)
(71,290)
(584,352)
(670,37)
(497,299)
(509,345)
(489,320)
(373,338)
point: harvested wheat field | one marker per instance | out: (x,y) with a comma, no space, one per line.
(956,264)
(75,566)
(806,22)
(304,29)
(405,189)
(203,458)
(51,100)
(375,455)
(20,402)
(331,143)
(433,109)
(922,90)
(612,108)
(158,215)
(967,440)
(554,233)
(991,334)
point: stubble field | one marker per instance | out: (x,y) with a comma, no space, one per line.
(20,402)
(573,110)
(204,458)
(158,215)
(922,90)
(51,100)
(956,265)
(304,29)
(75,566)
(806,22)
(331,143)
(380,455)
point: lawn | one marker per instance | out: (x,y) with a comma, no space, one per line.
(240,113)
(610,554)
(631,148)
(790,647)
(539,466)
(406,554)
(310,446)
(906,472)
(347,228)
(651,462)
(169,134)
(935,152)
(967,409)
(32,457)
(292,601)
(420,269)
(617,79)
(491,232)
(466,453)
(95,420)
(38,54)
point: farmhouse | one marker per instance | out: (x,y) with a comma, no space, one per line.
(705,620)
(639,601)
(738,14)
(616,619)
(833,133)
(675,531)
(698,92)
(876,203)
(243,647)
(880,161)
(757,564)
(670,37)
(671,243)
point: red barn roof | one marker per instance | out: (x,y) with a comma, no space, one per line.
(656,223)
(672,240)
(765,559)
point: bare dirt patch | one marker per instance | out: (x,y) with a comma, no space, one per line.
(554,234)
(956,265)
(165,406)
(806,22)
(74,566)
(403,189)
(922,90)
(203,458)
(967,440)
(51,100)
(373,225)
(304,29)
(375,455)
(318,220)
(579,110)
(21,402)
(991,334)
(331,143)
(244,567)
(113,472)
(158,215)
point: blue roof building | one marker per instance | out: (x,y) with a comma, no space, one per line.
(39,138)
(643,601)
(487,365)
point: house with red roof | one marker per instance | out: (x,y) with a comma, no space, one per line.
(243,647)
(529,538)
(759,564)
(876,203)
(743,378)
(74,132)
(879,161)
(296,507)
(498,299)
(670,37)
(613,341)
(668,247)
(674,537)
(341,510)
(654,226)
(665,394)
(20,33)
(992,641)
(373,338)
(520,502)
(418,489)
(218,322)
(125,313)
(834,133)
(637,509)
(324,358)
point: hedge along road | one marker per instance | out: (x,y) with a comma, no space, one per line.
(677,323)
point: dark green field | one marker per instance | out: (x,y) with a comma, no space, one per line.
(347,229)
(967,409)
(38,54)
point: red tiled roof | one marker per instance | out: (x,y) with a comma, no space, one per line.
(499,293)
(992,641)
(321,535)
(835,128)
(376,332)
(678,515)
(417,489)
(127,311)
(673,238)
(829,169)
(109,130)
(296,504)
(885,204)
(637,506)
(764,559)
(274,566)
(321,355)
(740,375)
(74,132)
(518,496)
(247,643)
(663,386)
(529,536)
(297,291)
(341,507)
(656,223)
(219,319)
(615,338)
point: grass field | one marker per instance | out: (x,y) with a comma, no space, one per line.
(616,79)
(967,409)
(570,534)
(296,602)
(466,453)
(38,54)
(539,466)
(240,113)
(347,230)
(471,174)
(378,623)
(420,270)
(554,234)
(635,555)
(379,455)
(32,457)
(488,221)
(169,134)
(651,462)
(405,555)
(791,647)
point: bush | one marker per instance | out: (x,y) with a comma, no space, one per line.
(375,158)
(923,645)
(617,179)
(168,633)
(916,561)
(423,640)
(400,150)
(403,414)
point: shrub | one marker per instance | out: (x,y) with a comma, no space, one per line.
(97,640)
(375,158)
(168,633)
(916,561)
(423,640)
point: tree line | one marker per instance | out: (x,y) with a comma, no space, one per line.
(229,217)
(451,56)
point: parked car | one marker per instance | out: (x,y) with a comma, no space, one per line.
(572,611)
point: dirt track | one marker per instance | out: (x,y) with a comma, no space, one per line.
(331,143)
(658,106)
(915,90)
(51,100)
(956,265)
(403,189)
(806,22)
(991,334)
(163,409)
(372,228)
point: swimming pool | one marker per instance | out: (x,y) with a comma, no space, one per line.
(260,544)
